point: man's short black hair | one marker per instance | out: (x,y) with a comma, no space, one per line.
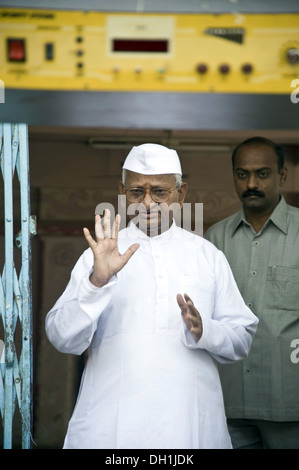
(257,141)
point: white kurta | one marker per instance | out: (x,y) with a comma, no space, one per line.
(147,384)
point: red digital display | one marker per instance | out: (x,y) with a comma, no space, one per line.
(140,45)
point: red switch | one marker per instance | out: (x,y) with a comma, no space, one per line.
(16,50)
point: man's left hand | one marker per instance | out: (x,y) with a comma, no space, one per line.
(190,315)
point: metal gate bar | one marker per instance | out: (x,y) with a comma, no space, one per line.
(15,292)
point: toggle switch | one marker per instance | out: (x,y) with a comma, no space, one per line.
(16,51)
(202,68)
(49,51)
(247,68)
(292,56)
(224,69)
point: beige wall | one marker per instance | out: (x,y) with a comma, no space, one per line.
(72,177)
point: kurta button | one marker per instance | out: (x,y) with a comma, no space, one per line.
(253,273)
(249,304)
(256,243)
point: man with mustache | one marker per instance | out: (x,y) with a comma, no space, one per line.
(261,243)
(156,306)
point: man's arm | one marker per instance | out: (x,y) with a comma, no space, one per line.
(228,333)
(72,322)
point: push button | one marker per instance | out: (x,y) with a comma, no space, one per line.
(16,50)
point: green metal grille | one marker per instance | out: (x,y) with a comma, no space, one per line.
(15,287)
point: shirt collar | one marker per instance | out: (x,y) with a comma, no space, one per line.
(278,217)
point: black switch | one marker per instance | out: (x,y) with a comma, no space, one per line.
(49,51)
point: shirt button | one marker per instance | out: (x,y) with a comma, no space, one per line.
(250,304)
(253,273)
(255,243)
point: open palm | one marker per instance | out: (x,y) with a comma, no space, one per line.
(107,259)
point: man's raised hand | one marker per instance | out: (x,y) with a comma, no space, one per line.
(107,259)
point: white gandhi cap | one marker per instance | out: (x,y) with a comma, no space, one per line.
(153,159)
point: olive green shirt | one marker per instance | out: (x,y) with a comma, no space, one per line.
(265,385)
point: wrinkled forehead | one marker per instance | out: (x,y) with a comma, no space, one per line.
(138,179)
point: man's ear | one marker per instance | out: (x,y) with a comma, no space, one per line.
(182,193)
(283,176)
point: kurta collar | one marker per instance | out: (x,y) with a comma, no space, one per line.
(278,217)
(134,232)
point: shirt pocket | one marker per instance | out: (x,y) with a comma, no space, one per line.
(201,292)
(282,288)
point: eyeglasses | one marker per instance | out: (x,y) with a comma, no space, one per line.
(157,194)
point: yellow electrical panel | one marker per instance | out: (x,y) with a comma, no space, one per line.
(82,50)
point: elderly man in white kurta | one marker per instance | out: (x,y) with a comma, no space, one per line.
(156,310)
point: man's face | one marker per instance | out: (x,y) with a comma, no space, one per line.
(257,179)
(154,215)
